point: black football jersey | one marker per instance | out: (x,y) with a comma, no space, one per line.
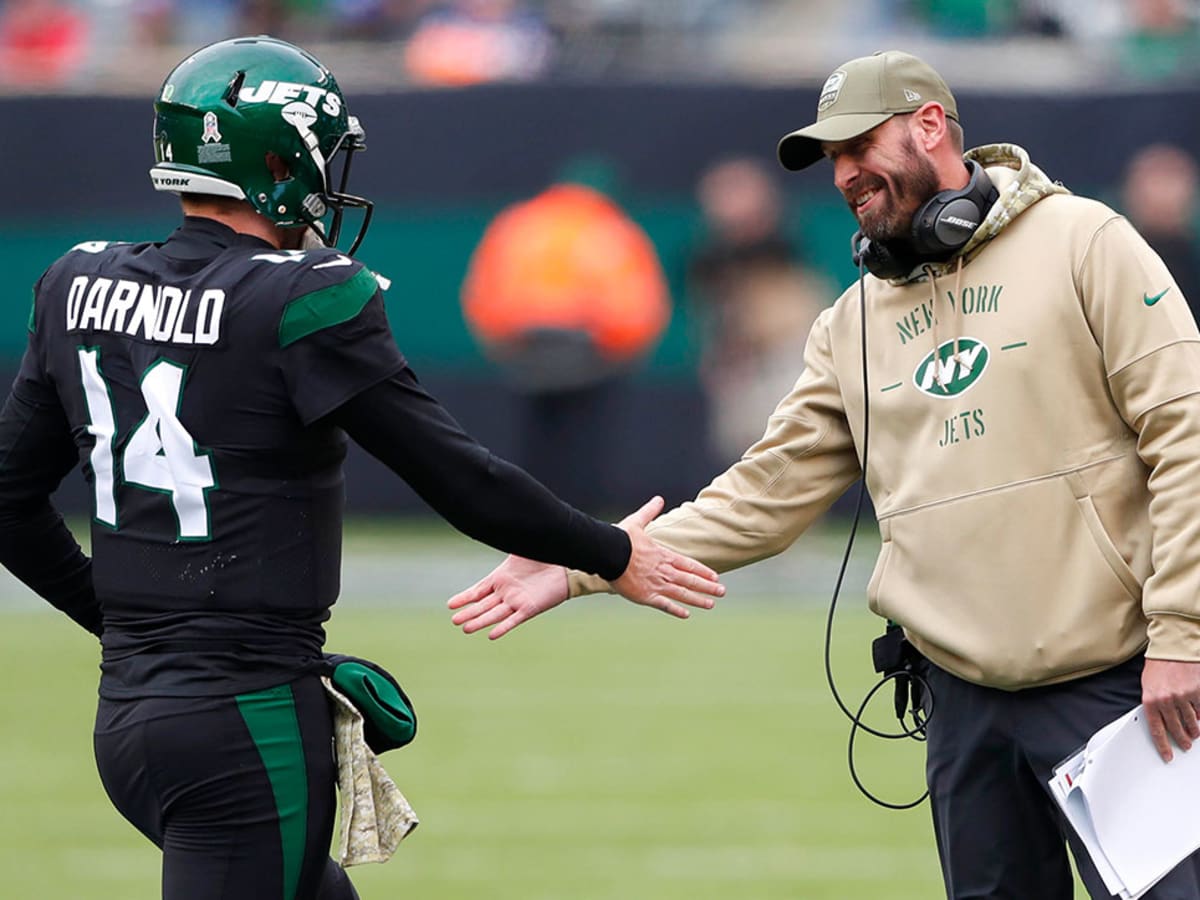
(195,376)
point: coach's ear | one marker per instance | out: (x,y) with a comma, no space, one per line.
(389,720)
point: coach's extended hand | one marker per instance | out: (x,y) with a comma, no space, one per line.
(519,589)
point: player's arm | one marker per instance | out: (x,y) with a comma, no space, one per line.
(36,453)
(341,364)
(501,505)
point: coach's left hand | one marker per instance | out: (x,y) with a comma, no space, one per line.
(1171,698)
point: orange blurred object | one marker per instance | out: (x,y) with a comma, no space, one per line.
(568,259)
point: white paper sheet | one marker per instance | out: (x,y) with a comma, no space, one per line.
(1136,815)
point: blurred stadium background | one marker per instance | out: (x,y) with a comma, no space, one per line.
(602,753)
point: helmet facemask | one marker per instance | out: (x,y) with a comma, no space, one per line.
(335,201)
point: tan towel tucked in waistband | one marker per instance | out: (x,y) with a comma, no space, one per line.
(375,817)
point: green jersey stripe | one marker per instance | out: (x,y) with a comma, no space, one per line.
(328,306)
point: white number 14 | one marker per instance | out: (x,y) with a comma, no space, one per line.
(160,454)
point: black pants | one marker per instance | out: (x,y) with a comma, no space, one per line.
(238,792)
(989,757)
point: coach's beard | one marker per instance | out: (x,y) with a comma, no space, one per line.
(900,196)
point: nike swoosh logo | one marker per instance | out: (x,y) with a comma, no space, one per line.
(346,261)
(1150,301)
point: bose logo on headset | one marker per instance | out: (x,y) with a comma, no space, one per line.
(943,224)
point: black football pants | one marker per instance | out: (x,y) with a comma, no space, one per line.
(989,757)
(238,792)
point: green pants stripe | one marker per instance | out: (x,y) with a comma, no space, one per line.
(270,716)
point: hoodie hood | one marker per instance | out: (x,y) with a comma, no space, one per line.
(1020,183)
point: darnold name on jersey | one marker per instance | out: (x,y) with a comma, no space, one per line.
(153,312)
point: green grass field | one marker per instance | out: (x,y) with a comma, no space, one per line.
(603,751)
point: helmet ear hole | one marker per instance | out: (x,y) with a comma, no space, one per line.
(279,168)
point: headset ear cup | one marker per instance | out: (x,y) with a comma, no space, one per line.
(943,224)
(948,219)
(956,222)
(922,235)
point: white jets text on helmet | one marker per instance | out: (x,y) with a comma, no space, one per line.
(281,93)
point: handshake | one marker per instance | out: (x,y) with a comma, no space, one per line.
(519,589)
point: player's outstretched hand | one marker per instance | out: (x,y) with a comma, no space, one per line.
(519,589)
(516,590)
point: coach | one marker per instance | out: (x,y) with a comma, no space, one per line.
(1031,392)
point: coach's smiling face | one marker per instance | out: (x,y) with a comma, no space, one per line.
(886,174)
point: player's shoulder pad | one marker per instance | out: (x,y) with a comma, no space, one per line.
(327,288)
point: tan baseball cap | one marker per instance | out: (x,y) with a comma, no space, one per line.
(861,94)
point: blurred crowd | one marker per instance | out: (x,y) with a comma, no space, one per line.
(101,44)
(444,42)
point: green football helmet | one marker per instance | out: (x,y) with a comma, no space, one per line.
(227,106)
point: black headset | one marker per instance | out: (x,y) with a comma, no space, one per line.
(943,224)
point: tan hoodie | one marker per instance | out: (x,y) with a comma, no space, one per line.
(1038,486)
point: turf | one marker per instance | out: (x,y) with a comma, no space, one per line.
(601,752)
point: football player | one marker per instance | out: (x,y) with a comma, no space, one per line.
(207,384)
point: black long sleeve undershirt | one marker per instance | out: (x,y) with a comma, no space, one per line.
(481,495)
(36,453)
